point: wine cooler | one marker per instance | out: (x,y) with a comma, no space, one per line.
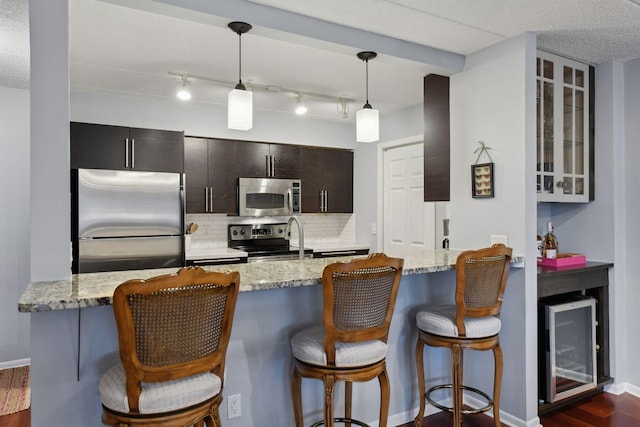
(570,348)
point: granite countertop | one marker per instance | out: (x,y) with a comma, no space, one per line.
(95,289)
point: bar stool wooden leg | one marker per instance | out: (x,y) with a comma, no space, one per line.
(497,385)
(456,373)
(347,401)
(385,395)
(421,385)
(296,389)
(329,383)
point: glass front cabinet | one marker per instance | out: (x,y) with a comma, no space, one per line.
(562,131)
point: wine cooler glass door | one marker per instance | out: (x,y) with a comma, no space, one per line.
(571,354)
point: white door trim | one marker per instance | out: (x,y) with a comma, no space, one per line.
(382,147)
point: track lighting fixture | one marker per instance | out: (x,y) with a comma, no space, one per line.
(342,108)
(184,93)
(301,106)
(240,100)
(367,126)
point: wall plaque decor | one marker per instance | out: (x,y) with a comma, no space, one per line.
(482,175)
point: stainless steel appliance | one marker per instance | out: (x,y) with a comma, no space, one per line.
(264,242)
(125,220)
(269,196)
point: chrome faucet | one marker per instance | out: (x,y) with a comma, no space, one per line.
(287,234)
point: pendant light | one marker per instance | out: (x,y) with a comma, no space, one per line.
(240,100)
(367,127)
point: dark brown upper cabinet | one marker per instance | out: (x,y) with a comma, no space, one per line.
(436,139)
(210,176)
(327,180)
(95,146)
(263,160)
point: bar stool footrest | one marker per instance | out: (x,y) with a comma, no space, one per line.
(344,421)
(463,411)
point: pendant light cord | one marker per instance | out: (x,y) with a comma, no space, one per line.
(366,62)
(240,58)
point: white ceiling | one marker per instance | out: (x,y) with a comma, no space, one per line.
(131,49)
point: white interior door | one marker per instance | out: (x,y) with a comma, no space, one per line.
(408,221)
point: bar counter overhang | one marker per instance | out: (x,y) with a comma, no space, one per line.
(71,348)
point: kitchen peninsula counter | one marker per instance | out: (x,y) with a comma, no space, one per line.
(96,289)
(74,338)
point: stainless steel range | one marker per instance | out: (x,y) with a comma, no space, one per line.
(263,242)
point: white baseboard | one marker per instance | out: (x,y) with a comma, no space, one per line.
(623,388)
(15,363)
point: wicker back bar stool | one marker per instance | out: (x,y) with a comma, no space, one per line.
(472,323)
(173,332)
(351,344)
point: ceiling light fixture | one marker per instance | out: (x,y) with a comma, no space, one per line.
(184,93)
(367,126)
(240,100)
(301,106)
(342,108)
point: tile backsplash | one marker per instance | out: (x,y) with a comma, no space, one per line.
(320,230)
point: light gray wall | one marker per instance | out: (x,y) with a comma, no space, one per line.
(632,226)
(14,222)
(493,100)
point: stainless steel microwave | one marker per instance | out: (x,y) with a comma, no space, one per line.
(269,196)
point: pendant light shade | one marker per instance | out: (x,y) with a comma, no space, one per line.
(367,125)
(240,109)
(240,100)
(367,121)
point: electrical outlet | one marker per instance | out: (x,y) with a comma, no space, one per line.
(498,238)
(374,228)
(234,406)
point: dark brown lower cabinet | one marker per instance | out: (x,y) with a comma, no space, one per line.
(561,285)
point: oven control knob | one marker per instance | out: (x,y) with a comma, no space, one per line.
(280,231)
(242,232)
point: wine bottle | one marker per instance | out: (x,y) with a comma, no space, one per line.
(539,245)
(550,243)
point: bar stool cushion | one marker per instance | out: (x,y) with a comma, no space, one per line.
(440,320)
(308,346)
(157,397)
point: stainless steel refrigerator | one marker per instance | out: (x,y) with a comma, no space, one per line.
(126,220)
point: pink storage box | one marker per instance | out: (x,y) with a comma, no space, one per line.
(563,260)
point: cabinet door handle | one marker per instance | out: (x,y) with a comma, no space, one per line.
(326,201)
(273,166)
(321,200)
(206,199)
(133,153)
(268,164)
(126,152)
(211,199)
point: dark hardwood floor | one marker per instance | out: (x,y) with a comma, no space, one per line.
(602,410)
(19,419)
